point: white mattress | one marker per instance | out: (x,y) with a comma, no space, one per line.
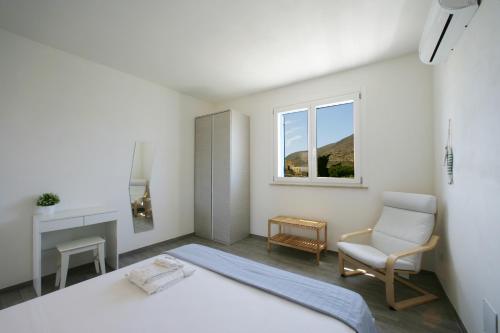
(204,302)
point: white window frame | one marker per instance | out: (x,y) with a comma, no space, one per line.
(312,178)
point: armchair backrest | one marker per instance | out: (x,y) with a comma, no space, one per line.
(407,221)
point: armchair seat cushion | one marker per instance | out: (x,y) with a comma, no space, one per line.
(372,257)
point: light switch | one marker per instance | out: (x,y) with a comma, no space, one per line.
(490,318)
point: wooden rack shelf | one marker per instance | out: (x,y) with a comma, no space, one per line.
(298,242)
(303,243)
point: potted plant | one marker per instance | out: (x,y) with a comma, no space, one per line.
(46,203)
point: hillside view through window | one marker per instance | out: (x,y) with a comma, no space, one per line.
(295,144)
(334,142)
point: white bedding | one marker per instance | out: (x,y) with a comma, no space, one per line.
(204,302)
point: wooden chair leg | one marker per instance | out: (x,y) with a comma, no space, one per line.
(342,269)
(389,278)
(424,298)
(401,305)
(341,264)
(389,289)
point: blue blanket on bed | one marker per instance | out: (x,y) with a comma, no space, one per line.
(337,302)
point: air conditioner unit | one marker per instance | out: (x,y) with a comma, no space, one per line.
(445,24)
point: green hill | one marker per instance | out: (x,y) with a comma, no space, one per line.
(341,152)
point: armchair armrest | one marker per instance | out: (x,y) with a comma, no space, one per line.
(431,244)
(345,237)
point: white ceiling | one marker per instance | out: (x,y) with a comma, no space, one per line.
(221,49)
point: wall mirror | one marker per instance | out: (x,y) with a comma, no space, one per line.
(139,186)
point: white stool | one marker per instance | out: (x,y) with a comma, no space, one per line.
(95,244)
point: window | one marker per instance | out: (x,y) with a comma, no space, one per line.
(294,125)
(318,142)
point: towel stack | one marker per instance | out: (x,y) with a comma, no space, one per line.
(159,275)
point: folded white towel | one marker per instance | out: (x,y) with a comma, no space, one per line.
(168,262)
(160,282)
(188,270)
(150,273)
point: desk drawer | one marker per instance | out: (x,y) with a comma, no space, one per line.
(61,224)
(99,218)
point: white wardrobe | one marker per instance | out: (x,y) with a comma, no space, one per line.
(222,177)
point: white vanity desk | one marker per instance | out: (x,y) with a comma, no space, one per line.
(50,230)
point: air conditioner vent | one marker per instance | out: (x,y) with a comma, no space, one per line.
(444,26)
(441,36)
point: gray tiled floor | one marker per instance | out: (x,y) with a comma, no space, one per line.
(438,316)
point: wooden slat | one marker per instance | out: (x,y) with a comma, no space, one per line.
(301,243)
(298,222)
(401,305)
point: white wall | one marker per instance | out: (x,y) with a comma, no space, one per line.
(69,126)
(397,139)
(467,90)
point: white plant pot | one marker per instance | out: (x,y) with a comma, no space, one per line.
(46,210)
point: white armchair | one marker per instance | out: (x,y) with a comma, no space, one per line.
(402,233)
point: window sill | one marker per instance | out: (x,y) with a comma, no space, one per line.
(319,184)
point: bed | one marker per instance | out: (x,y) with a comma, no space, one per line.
(204,302)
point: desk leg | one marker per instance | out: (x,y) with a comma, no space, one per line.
(112,244)
(37,261)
